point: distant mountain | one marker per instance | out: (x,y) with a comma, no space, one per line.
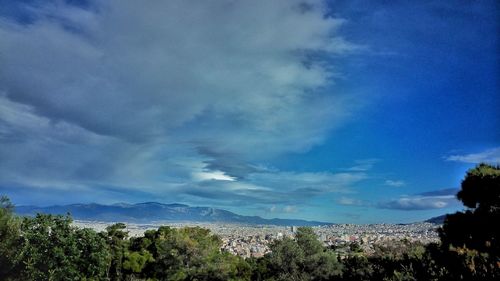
(437,220)
(156,212)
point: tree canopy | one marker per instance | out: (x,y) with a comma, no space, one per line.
(476,228)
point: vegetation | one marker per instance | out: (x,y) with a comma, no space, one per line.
(48,247)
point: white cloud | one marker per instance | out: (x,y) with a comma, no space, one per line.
(395,183)
(285,209)
(363,165)
(349,201)
(212,175)
(491,156)
(290,209)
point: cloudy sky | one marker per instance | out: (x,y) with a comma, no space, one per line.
(340,111)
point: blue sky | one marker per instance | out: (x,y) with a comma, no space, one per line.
(340,111)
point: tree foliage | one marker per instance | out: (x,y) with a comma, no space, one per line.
(116,240)
(10,240)
(474,228)
(302,258)
(471,238)
(54,250)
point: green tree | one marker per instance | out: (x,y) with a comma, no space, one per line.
(135,262)
(55,250)
(323,266)
(116,238)
(10,240)
(357,268)
(319,263)
(308,241)
(93,254)
(189,253)
(304,258)
(260,268)
(286,260)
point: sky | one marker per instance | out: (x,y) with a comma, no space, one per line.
(336,111)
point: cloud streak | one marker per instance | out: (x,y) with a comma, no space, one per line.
(491,156)
(437,199)
(347,201)
(395,183)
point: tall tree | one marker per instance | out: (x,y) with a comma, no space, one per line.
(116,238)
(10,240)
(286,260)
(473,236)
(476,227)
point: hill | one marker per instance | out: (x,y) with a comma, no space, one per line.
(437,220)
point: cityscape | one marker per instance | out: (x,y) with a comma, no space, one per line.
(253,241)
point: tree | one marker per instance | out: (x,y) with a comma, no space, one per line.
(135,262)
(481,189)
(473,236)
(319,263)
(323,266)
(357,268)
(189,253)
(116,240)
(308,241)
(54,250)
(476,228)
(304,258)
(10,240)
(93,254)
(287,260)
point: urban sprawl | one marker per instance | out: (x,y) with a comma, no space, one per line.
(253,241)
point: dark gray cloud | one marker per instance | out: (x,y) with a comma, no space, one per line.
(165,97)
(229,162)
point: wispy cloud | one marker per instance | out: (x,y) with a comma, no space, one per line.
(395,183)
(347,201)
(437,199)
(290,209)
(287,209)
(491,156)
(441,192)
(363,165)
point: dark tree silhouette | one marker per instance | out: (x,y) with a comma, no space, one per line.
(476,228)
(470,239)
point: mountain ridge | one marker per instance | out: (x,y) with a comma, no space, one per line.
(148,212)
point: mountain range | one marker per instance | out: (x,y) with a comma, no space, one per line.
(157,212)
